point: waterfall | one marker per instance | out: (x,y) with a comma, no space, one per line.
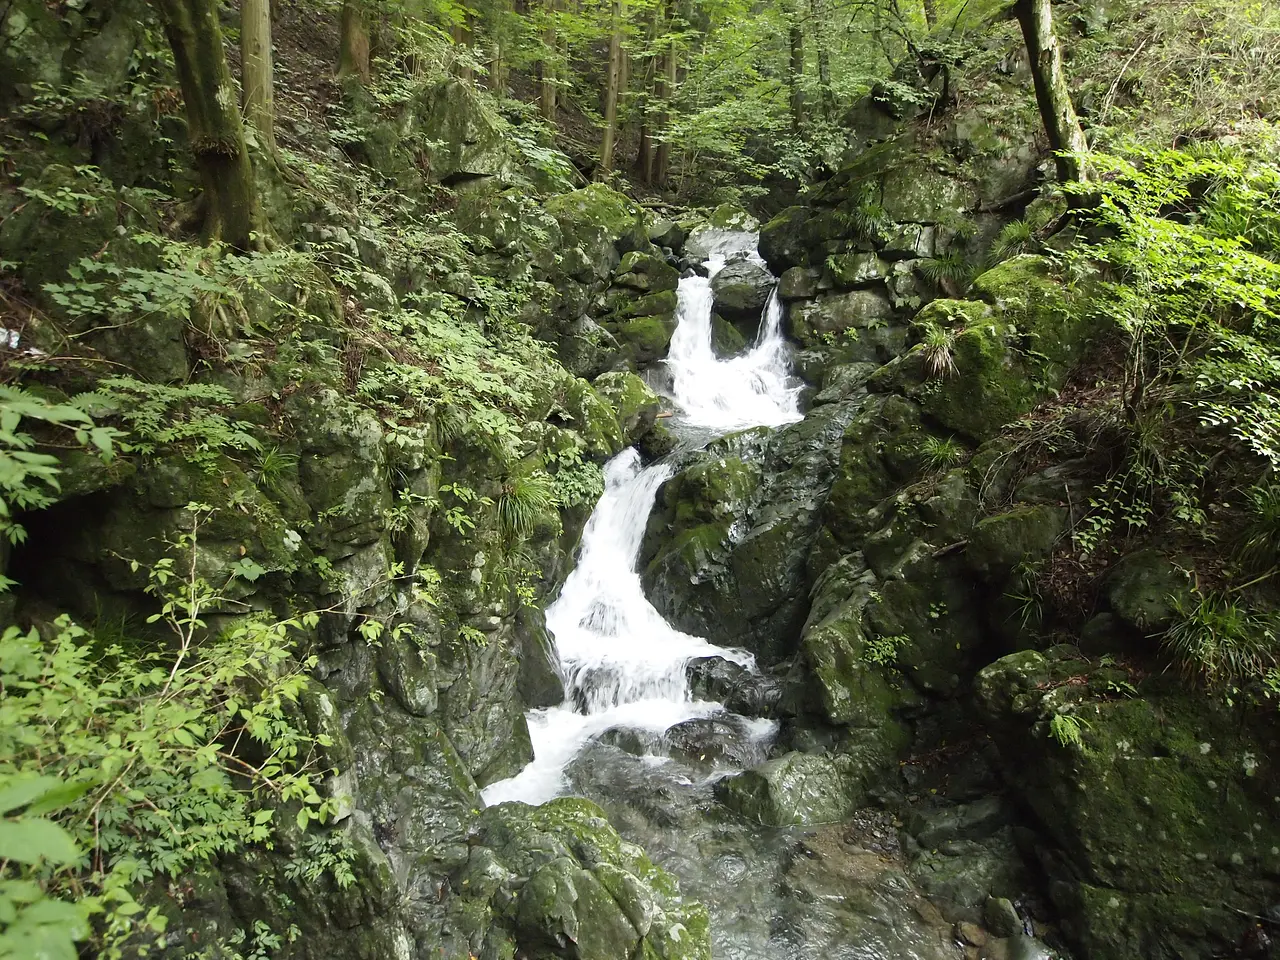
(624,666)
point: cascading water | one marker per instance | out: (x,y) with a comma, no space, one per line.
(624,666)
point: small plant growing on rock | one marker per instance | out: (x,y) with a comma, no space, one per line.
(942,453)
(1067,729)
(938,345)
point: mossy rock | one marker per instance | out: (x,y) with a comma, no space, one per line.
(1029,294)
(795,789)
(785,240)
(798,283)
(593,417)
(634,403)
(1025,534)
(851,271)
(741,290)
(466,141)
(727,340)
(645,272)
(644,339)
(816,322)
(626,305)
(1146,588)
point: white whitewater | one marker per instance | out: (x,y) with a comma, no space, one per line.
(624,666)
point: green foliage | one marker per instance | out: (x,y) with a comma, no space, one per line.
(1222,641)
(166,419)
(883,651)
(128,763)
(28,480)
(1068,730)
(476,388)
(938,346)
(526,501)
(952,267)
(942,453)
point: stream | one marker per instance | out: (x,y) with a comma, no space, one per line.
(632,737)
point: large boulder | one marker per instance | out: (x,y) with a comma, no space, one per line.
(741,291)
(1159,807)
(464,142)
(558,878)
(797,788)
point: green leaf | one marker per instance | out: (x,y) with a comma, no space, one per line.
(33,840)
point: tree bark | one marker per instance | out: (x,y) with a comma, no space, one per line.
(1061,124)
(613,83)
(931,13)
(463,36)
(795,70)
(547,68)
(257,81)
(214,126)
(664,89)
(354,46)
(820,14)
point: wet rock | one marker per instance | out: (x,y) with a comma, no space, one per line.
(797,788)
(831,315)
(742,691)
(630,740)
(741,290)
(850,271)
(635,404)
(959,875)
(666,233)
(726,340)
(713,740)
(540,683)
(964,821)
(1001,917)
(1145,589)
(798,283)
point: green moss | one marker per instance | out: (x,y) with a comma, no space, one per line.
(1022,535)
(986,391)
(644,339)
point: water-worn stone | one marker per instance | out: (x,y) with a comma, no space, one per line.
(797,788)
(741,290)
(743,691)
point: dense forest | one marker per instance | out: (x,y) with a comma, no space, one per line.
(639,479)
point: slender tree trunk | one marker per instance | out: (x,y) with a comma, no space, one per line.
(795,72)
(257,70)
(354,46)
(550,42)
(214,126)
(1052,95)
(613,83)
(820,14)
(665,91)
(644,152)
(463,35)
(931,13)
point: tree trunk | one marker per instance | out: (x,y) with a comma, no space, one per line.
(612,84)
(463,35)
(1061,124)
(648,83)
(795,70)
(214,126)
(665,90)
(820,14)
(931,13)
(353,47)
(256,70)
(550,42)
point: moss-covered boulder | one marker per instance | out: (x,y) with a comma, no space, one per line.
(741,290)
(820,321)
(559,875)
(797,788)
(465,143)
(598,225)
(850,271)
(634,403)
(785,240)
(1023,535)
(1162,805)
(645,272)
(1147,588)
